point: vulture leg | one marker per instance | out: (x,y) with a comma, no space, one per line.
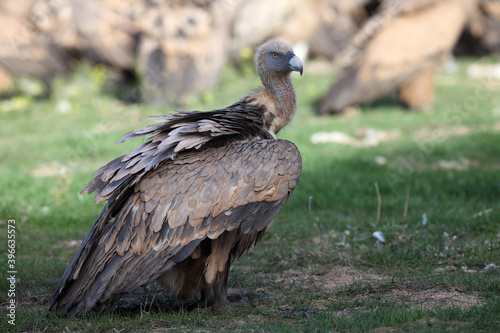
(207,297)
(220,289)
(418,92)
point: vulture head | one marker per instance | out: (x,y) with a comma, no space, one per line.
(276,59)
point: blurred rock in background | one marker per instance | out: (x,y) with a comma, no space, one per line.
(171,49)
(26,51)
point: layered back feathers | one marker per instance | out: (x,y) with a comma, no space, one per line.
(182,131)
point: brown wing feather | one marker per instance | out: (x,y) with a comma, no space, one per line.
(148,226)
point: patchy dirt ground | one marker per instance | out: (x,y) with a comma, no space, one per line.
(372,285)
(434,297)
(360,285)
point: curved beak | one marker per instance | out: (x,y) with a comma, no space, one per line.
(295,64)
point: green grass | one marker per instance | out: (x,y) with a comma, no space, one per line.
(318,268)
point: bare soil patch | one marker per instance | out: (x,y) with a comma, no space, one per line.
(341,276)
(441,297)
(380,287)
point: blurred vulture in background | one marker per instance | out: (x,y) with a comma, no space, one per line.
(182,48)
(172,48)
(485,25)
(197,194)
(167,50)
(398,49)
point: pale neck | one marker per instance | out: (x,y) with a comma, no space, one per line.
(282,90)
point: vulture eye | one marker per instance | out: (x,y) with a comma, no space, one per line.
(275,55)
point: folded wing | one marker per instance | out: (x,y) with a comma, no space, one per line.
(153,223)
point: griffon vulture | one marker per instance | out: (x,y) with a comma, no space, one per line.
(398,49)
(198,193)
